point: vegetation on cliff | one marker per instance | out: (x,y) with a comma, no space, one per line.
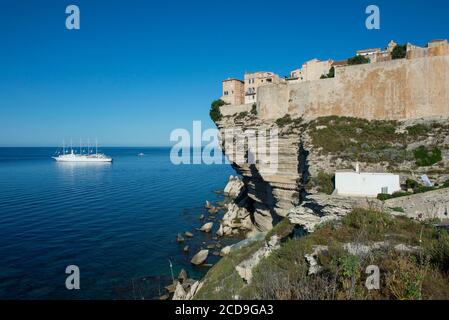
(426,157)
(357,60)
(288,120)
(399,52)
(254,109)
(373,141)
(413,261)
(323,182)
(214,112)
(331,74)
(415,187)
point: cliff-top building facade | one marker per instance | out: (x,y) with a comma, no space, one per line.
(252,81)
(411,86)
(311,70)
(233,91)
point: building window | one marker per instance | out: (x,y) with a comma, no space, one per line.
(384,190)
(225,93)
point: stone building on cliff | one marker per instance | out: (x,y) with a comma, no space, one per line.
(412,87)
(233,91)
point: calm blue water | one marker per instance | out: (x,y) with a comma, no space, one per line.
(117,222)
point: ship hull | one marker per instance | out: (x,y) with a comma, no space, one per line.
(82,159)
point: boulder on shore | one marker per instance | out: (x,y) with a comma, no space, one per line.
(200,257)
(188,234)
(212,210)
(182,277)
(180,293)
(225,251)
(171,287)
(207,227)
(179,238)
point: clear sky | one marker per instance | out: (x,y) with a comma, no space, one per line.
(138,69)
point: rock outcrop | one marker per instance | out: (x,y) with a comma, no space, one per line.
(356,249)
(244,269)
(234,188)
(237,218)
(320,208)
(427,205)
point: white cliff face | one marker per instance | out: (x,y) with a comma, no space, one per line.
(271,183)
(234,188)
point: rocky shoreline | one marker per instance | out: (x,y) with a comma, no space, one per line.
(235,222)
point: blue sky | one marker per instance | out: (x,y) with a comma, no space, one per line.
(138,69)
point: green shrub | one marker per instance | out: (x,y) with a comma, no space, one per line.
(350,265)
(358,60)
(426,157)
(324,182)
(418,130)
(398,194)
(445,184)
(254,109)
(285,120)
(384,196)
(214,112)
(241,115)
(411,184)
(331,74)
(422,189)
(399,52)
(398,209)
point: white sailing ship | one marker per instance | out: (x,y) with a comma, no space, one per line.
(72,156)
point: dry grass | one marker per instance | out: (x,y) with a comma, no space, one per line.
(421,274)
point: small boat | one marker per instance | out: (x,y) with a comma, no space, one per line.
(89,157)
(141,154)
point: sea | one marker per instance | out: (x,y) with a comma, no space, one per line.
(115,222)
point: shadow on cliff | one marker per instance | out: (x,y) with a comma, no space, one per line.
(264,192)
(303,170)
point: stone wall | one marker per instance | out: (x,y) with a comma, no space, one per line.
(397,89)
(229,110)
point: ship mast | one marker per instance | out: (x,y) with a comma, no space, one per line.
(96,146)
(88,143)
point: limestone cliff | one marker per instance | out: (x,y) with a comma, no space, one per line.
(309,153)
(270,195)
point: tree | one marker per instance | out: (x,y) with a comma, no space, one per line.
(358,60)
(331,74)
(399,52)
(214,112)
